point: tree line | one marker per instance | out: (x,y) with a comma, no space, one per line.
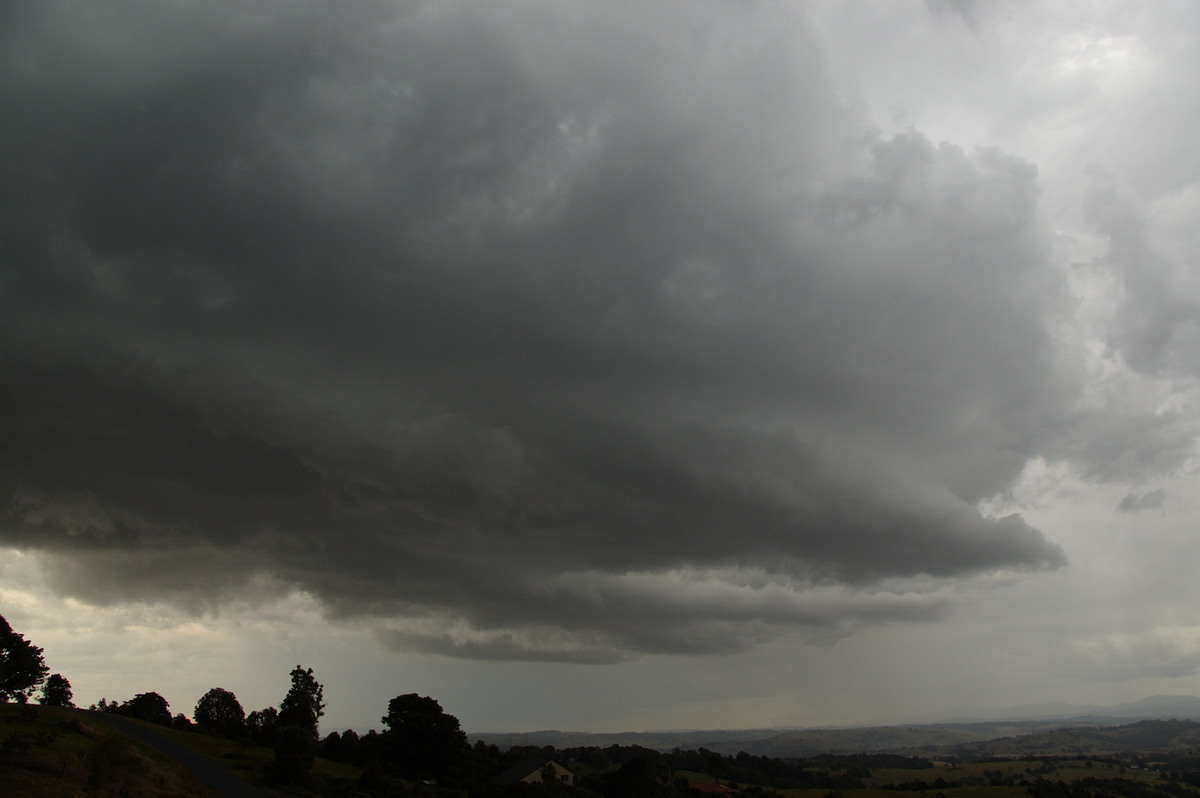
(420,746)
(420,742)
(422,749)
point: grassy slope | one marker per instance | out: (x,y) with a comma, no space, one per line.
(249,761)
(68,757)
(47,753)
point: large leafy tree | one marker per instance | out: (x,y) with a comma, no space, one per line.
(22,667)
(296,737)
(219,712)
(263,725)
(56,692)
(304,703)
(148,706)
(422,741)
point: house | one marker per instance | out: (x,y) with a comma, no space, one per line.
(536,771)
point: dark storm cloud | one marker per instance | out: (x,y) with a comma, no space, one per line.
(531,332)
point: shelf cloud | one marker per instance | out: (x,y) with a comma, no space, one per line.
(532,331)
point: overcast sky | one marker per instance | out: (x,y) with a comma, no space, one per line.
(603,365)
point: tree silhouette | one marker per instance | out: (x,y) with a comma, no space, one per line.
(22,667)
(422,741)
(263,725)
(304,704)
(147,706)
(219,712)
(342,747)
(296,738)
(637,778)
(56,692)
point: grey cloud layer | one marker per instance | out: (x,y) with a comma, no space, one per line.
(489,322)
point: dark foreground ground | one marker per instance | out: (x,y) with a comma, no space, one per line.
(214,773)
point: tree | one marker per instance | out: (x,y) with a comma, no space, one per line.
(263,725)
(422,741)
(295,750)
(296,738)
(636,778)
(22,667)
(331,746)
(219,712)
(304,703)
(350,749)
(341,747)
(148,706)
(56,692)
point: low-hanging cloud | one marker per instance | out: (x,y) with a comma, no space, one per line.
(488,321)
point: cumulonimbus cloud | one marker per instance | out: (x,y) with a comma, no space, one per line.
(427,307)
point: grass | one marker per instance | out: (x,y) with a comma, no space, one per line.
(249,762)
(49,753)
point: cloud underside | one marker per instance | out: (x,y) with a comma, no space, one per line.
(624,334)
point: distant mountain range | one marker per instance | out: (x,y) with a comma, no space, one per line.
(968,732)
